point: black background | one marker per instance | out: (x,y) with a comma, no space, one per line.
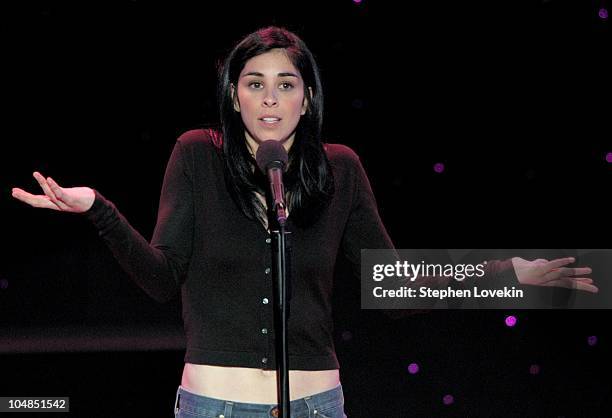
(512,97)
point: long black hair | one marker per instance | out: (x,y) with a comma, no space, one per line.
(309,180)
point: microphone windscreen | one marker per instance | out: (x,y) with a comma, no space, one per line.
(271,152)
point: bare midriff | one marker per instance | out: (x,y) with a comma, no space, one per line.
(241,384)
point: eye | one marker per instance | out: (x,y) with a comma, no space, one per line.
(255,84)
(286,85)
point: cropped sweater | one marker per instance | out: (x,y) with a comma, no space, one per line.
(220,261)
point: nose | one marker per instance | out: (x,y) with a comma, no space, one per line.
(270,98)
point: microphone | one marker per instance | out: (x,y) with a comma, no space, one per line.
(272,159)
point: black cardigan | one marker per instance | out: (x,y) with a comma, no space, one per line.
(221,260)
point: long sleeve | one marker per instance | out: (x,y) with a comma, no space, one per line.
(365,230)
(157,267)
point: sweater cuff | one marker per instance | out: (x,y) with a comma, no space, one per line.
(102,213)
(500,274)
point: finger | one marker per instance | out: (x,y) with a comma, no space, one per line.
(43,184)
(59,193)
(578,284)
(55,188)
(37,201)
(580,279)
(579,271)
(568,272)
(559,262)
(587,287)
(540,261)
(50,193)
(558,273)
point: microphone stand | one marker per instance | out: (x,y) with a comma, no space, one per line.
(282,293)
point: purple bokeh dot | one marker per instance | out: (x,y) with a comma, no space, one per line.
(3,283)
(448,399)
(609,157)
(357,1)
(511,320)
(347,335)
(438,167)
(413,368)
(603,13)
(592,340)
(534,369)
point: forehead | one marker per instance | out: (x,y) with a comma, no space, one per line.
(270,63)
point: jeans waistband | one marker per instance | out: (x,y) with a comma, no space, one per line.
(303,406)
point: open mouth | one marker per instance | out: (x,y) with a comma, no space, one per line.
(270,121)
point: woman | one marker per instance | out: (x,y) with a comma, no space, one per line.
(212,239)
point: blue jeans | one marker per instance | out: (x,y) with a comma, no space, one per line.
(328,404)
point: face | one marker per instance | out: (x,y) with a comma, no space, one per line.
(270,99)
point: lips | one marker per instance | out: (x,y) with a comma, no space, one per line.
(270,120)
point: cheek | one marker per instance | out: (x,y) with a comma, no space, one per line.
(296,105)
(245,101)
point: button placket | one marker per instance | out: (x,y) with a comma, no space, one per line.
(266,312)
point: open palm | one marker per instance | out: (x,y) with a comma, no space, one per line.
(65,199)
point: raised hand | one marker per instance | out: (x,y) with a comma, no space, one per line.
(542,272)
(65,199)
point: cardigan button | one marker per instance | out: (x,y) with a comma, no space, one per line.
(265,301)
(264,330)
(268,240)
(267,270)
(264,360)
(274,412)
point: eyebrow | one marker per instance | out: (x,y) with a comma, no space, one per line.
(258,74)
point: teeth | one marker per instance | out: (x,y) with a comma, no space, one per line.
(270,119)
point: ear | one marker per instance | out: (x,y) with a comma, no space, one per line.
(234,98)
(306,100)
